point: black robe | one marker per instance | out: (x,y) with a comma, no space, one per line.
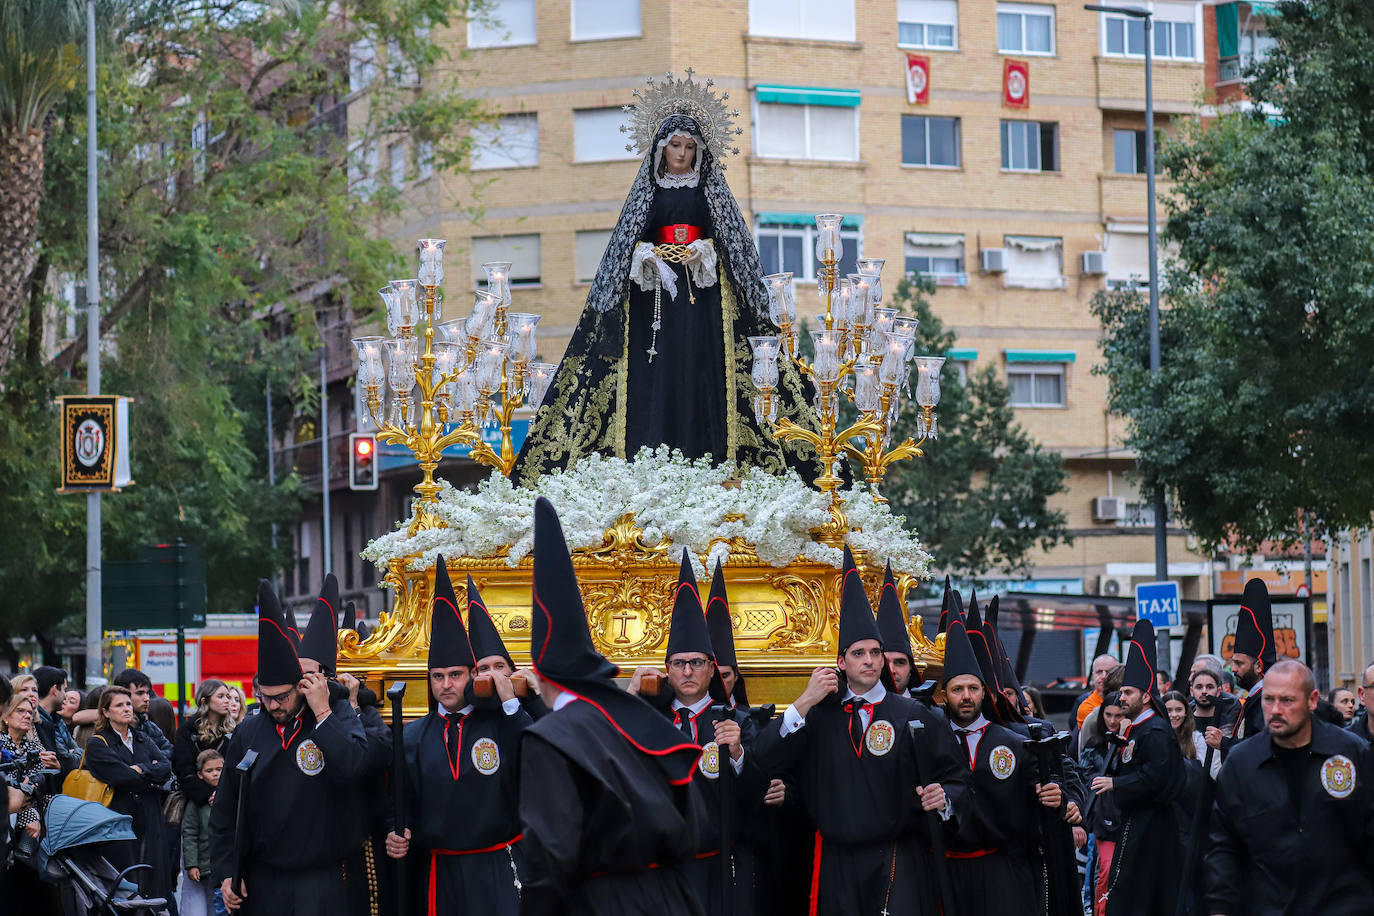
(375,893)
(464,830)
(302,823)
(990,850)
(873,845)
(1147,778)
(139,795)
(706,790)
(604,832)
(1271,856)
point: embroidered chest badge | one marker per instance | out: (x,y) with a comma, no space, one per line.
(486,756)
(709,761)
(309,758)
(680,234)
(1002,761)
(880,737)
(1338,776)
(1128,751)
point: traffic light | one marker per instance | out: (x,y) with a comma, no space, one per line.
(362,461)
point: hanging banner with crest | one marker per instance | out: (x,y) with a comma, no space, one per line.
(95,443)
(917,79)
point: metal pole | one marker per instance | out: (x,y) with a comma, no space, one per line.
(1161,531)
(272,471)
(326,540)
(181,628)
(94,628)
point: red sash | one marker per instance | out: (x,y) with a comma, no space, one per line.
(678,234)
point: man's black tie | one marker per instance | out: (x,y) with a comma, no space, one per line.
(683,717)
(856,723)
(962,734)
(453,738)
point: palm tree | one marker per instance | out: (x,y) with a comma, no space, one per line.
(41,58)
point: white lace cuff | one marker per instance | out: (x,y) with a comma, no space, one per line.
(704,270)
(648,271)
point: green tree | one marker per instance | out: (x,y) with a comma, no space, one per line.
(1263,413)
(239,208)
(980,498)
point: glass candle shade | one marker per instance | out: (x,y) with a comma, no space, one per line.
(452,331)
(482,321)
(405,306)
(401,371)
(874,268)
(928,380)
(829,245)
(864,286)
(540,375)
(896,352)
(902,326)
(826,364)
(782,298)
(491,356)
(521,327)
(867,391)
(431,262)
(498,279)
(369,350)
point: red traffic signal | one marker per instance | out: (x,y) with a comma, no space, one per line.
(362,461)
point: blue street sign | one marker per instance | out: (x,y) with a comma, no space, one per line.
(1158,602)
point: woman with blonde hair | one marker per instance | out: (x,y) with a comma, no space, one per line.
(239,704)
(27,685)
(207,729)
(18,739)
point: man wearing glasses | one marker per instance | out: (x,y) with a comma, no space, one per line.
(699,706)
(310,753)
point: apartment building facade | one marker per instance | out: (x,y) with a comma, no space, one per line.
(1010,170)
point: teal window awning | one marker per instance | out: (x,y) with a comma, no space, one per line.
(808,95)
(956,355)
(1040,356)
(1228,29)
(803,219)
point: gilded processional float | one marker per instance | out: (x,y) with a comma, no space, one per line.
(684,413)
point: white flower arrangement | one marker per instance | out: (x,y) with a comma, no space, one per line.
(685,503)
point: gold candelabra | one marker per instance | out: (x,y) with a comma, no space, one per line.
(490,353)
(857,342)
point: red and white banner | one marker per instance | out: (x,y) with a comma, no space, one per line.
(917,79)
(1016,84)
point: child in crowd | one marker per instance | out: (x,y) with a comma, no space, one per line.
(199,891)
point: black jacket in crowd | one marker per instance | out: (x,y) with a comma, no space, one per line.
(1272,857)
(184,753)
(1360,725)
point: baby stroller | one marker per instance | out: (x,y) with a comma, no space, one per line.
(70,855)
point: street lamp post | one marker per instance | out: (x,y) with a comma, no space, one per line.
(1147,18)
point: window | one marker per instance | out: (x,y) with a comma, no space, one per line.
(1128,256)
(821,20)
(200,142)
(1141,514)
(402,70)
(1025,28)
(788,242)
(362,168)
(597,136)
(792,123)
(396,165)
(424,160)
(362,64)
(588,249)
(936,255)
(1128,152)
(928,23)
(503,24)
(961,362)
(521,250)
(1034,262)
(1030,146)
(930,141)
(303,557)
(1255,46)
(593,19)
(1036,384)
(1174,30)
(511,142)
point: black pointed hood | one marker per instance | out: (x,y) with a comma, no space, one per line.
(687,631)
(482,633)
(564,656)
(449,646)
(320,641)
(278,664)
(856,614)
(1255,624)
(722,631)
(960,658)
(982,650)
(1006,671)
(1140,658)
(947,605)
(892,619)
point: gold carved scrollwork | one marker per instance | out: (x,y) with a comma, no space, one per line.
(810,606)
(403,633)
(623,545)
(613,605)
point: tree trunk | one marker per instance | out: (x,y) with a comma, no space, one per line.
(21,190)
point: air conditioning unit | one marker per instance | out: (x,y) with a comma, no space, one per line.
(1109,509)
(1114,586)
(1094,263)
(993,260)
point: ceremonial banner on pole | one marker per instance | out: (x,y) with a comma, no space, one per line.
(1016,84)
(95,443)
(917,79)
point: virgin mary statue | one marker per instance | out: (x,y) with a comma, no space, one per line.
(661,353)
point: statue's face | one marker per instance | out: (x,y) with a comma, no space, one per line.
(679,155)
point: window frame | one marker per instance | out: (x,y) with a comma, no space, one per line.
(501,121)
(534,23)
(1194,24)
(958,142)
(852,236)
(623,155)
(396,153)
(1023,10)
(577,278)
(925,25)
(1034,370)
(806,132)
(956,277)
(803,35)
(479,279)
(1040,145)
(574,37)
